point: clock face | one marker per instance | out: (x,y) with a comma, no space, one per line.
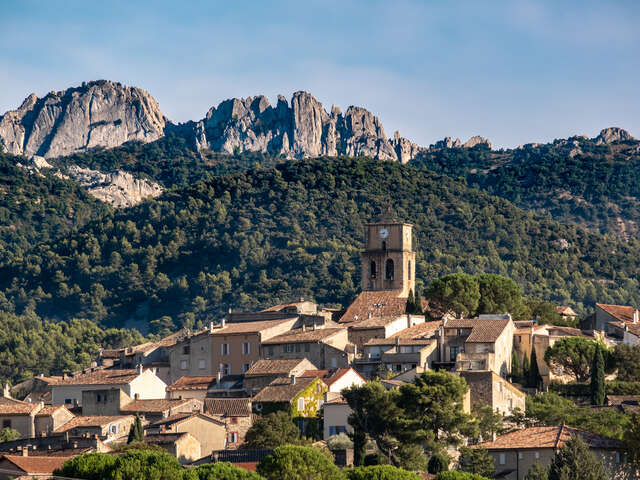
(384,233)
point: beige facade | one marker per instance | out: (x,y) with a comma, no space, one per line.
(209,432)
(488,388)
(111,427)
(336,418)
(50,418)
(265,371)
(183,446)
(362,331)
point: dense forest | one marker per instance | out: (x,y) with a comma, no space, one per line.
(574,180)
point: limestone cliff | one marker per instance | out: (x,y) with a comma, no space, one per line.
(101,113)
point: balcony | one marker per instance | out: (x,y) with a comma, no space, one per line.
(475,361)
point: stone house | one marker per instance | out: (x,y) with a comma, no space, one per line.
(19,416)
(483,343)
(324,347)
(51,418)
(614,313)
(154,410)
(302,397)
(488,388)
(136,383)
(362,331)
(336,417)
(566,312)
(35,389)
(191,387)
(209,432)
(338,379)
(110,427)
(228,348)
(24,466)
(236,415)
(263,372)
(182,445)
(514,454)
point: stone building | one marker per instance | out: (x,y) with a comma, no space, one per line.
(191,387)
(338,379)
(51,418)
(110,427)
(236,415)
(158,409)
(361,331)
(614,313)
(488,388)
(182,445)
(263,372)
(209,432)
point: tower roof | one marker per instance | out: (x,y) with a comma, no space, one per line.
(387,215)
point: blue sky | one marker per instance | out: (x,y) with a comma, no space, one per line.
(513,71)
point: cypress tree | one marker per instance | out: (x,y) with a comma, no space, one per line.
(136,433)
(597,377)
(359,439)
(515,366)
(534,373)
(525,367)
(411,304)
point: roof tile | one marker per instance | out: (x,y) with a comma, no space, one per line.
(548,437)
(228,407)
(376,304)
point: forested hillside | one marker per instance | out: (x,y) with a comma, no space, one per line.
(265,235)
(574,180)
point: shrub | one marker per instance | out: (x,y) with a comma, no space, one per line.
(222,471)
(90,466)
(457,475)
(438,463)
(380,472)
(146,465)
(299,463)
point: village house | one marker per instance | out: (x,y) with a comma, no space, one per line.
(338,379)
(14,467)
(35,389)
(181,445)
(263,372)
(191,387)
(50,418)
(336,413)
(324,347)
(488,388)
(483,343)
(236,415)
(19,416)
(228,348)
(614,313)
(209,432)
(410,348)
(362,331)
(158,409)
(514,454)
(110,427)
(136,383)
(567,313)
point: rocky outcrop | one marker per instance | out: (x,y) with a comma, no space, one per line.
(300,130)
(447,142)
(476,140)
(97,114)
(613,135)
(120,189)
(405,150)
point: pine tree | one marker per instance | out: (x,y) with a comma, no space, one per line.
(597,377)
(136,434)
(534,378)
(515,366)
(574,461)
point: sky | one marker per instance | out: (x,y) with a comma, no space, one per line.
(512,71)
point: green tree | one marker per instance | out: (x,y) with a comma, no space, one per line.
(379,472)
(90,466)
(574,461)
(146,465)
(572,354)
(537,472)
(516,373)
(457,475)
(458,292)
(359,438)
(136,433)
(299,463)
(627,360)
(273,430)
(489,422)
(533,377)
(438,463)
(478,461)
(597,378)
(631,439)
(411,303)
(8,435)
(223,471)
(498,294)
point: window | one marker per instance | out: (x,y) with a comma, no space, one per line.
(307,347)
(384,245)
(6,423)
(202,364)
(186,349)
(232,437)
(246,348)
(183,364)
(224,349)
(113,429)
(225,369)
(337,429)
(520,455)
(389,269)
(68,401)
(300,404)
(318,387)
(234,420)
(245,367)
(453,353)
(499,386)
(298,348)
(98,398)
(502,459)
(270,351)
(372,270)
(409,270)
(287,348)
(537,455)
(334,362)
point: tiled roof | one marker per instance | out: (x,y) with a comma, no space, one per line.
(179,417)
(548,437)
(378,304)
(557,331)
(339,400)
(621,312)
(566,310)
(228,407)
(634,328)
(374,322)
(315,373)
(298,336)
(329,377)
(50,410)
(100,376)
(461,323)
(91,421)
(111,353)
(282,390)
(36,464)
(167,341)
(417,335)
(282,306)
(154,405)
(249,327)
(273,366)
(9,406)
(482,330)
(620,399)
(192,383)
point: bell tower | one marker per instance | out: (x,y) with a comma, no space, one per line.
(388,260)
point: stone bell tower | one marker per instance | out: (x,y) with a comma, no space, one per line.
(388,260)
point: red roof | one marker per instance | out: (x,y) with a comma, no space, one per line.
(36,464)
(383,303)
(192,383)
(9,406)
(548,437)
(329,377)
(621,312)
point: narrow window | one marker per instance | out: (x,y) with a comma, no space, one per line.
(372,269)
(502,459)
(389,269)
(384,245)
(300,404)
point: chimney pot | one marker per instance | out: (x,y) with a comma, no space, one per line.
(224,322)
(292,379)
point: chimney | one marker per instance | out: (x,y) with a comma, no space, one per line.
(219,376)
(397,341)
(224,323)
(292,379)
(303,327)
(25,451)
(6,391)
(139,368)
(211,326)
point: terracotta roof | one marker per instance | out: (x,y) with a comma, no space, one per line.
(315,373)
(482,330)
(167,341)
(548,437)
(298,336)
(374,322)
(620,399)
(461,323)
(50,410)
(282,390)
(282,306)
(90,421)
(180,417)
(634,328)
(154,405)
(192,383)
(248,327)
(566,310)
(100,377)
(379,304)
(36,464)
(228,407)
(329,377)
(417,335)
(10,406)
(274,366)
(621,312)
(557,331)
(337,401)
(111,353)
